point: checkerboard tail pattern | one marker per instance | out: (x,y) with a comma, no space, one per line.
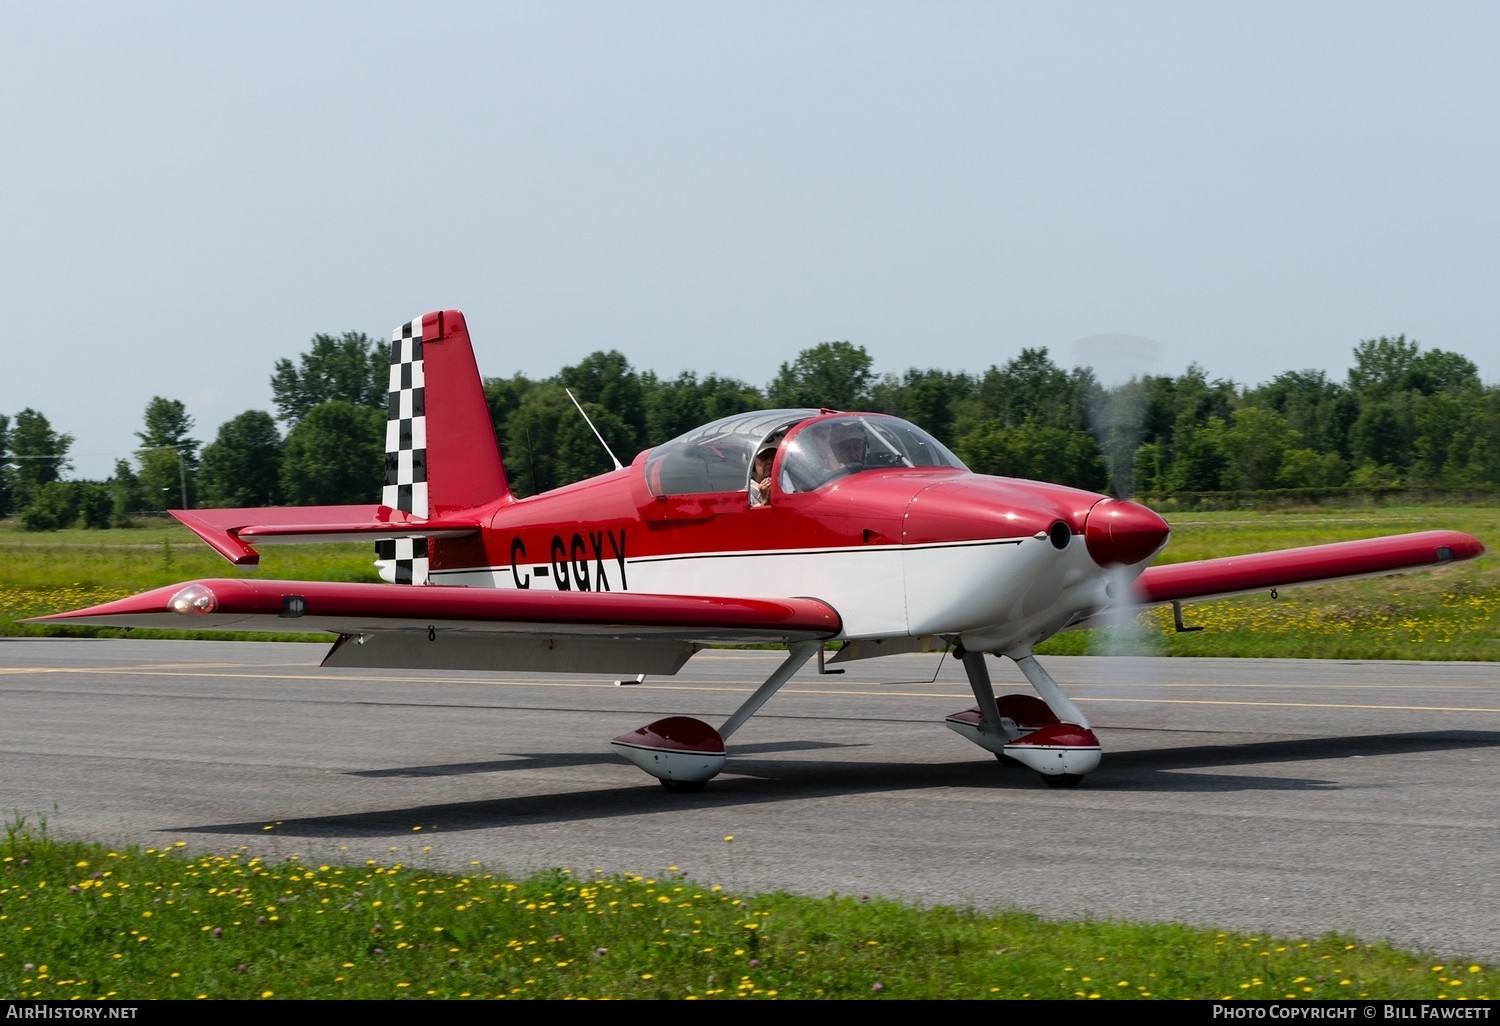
(406,453)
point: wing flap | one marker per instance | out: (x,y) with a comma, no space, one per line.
(535,653)
(1261,571)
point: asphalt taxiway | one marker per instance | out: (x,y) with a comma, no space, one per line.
(1291,796)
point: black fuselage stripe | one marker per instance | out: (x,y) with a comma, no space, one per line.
(541,568)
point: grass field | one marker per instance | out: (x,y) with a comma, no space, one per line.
(50,572)
(80,921)
(1442,614)
(1445,614)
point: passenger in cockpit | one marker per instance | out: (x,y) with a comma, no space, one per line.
(760,474)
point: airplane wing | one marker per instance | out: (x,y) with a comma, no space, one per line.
(1337,561)
(434,627)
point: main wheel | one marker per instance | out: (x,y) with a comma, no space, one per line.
(684,786)
(1061,780)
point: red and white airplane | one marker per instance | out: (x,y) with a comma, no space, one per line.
(873,535)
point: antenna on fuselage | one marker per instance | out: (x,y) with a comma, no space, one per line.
(594,429)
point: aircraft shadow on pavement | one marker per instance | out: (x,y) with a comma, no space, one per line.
(555,760)
(759,781)
(1170,768)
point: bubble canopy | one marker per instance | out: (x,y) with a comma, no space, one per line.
(816,447)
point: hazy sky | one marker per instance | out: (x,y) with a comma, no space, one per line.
(193,190)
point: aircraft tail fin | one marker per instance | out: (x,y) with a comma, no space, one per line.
(443,473)
(440,456)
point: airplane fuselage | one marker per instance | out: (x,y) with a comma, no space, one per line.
(905,552)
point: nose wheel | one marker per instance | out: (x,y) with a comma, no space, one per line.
(683,786)
(1061,781)
(1047,734)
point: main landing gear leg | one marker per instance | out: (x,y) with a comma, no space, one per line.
(1065,752)
(1050,735)
(686,753)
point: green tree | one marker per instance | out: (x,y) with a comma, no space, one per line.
(606,380)
(352,368)
(124,493)
(1035,451)
(5,468)
(1200,463)
(1320,410)
(1381,366)
(1374,475)
(577,452)
(1030,387)
(1256,443)
(94,506)
(242,465)
(1457,440)
(724,397)
(1155,402)
(1385,432)
(835,375)
(1308,468)
(1200,399)
(53,506)
(531,439)
(673,407)
(930,399)
(1185,417)
(1412,420)
(335,454)
(503,397)
(1147,474)
(39,455)
(1438,371)
(1483,464)
(168,456)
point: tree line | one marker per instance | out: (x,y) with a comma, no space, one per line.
(1403,417)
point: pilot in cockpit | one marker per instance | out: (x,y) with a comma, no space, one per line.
(849,445)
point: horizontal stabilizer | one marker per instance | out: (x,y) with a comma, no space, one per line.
(230,531)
